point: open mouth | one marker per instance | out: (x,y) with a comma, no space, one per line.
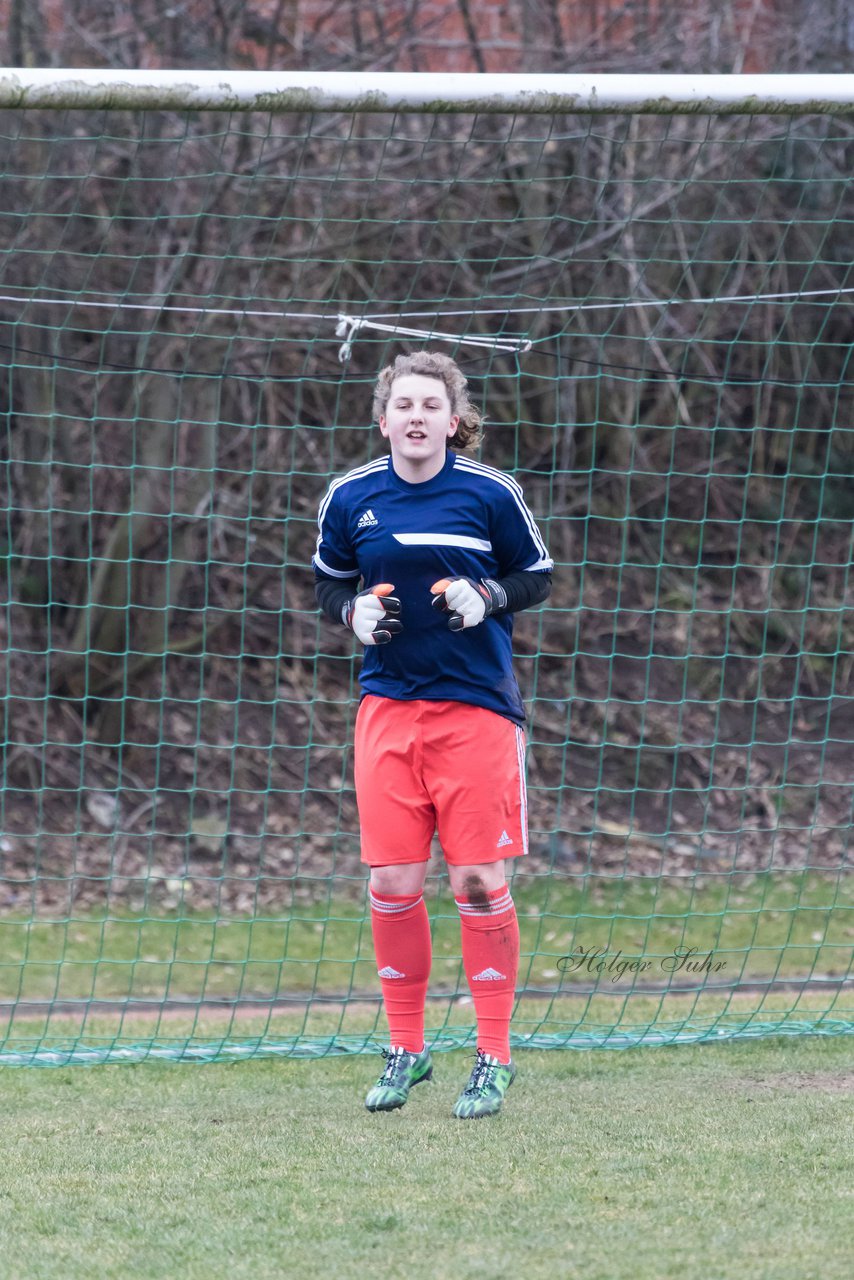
(416,435)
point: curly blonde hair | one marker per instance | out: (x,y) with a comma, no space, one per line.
(432,364)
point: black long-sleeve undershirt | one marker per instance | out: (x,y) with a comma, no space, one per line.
(523,590)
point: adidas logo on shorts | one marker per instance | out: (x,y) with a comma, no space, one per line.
(489,975)
(366,519)
(388,972)
(503,840)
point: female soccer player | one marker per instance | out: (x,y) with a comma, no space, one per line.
(425,555)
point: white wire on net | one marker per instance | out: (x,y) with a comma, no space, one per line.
(348,326)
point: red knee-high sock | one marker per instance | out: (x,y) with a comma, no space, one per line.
(490,938)
(403,947)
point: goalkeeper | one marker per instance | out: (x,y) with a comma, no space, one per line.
(425,555)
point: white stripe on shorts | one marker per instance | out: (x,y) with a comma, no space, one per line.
(523,785)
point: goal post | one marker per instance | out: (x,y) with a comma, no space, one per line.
(648,283)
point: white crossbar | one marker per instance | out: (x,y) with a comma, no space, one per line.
(289,91)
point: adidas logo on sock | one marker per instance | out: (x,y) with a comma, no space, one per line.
(503,840)
(489,975)
(388,972)
(366,519)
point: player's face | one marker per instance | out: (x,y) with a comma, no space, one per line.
(418,423)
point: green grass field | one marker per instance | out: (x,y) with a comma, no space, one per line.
(715,1160)
(761,926)
(710,1161)
(89,976)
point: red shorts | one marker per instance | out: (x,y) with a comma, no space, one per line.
(425,766)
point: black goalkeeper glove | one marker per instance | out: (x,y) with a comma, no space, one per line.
(468,602)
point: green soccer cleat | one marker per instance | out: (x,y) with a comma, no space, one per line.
(484,1093)
(402,1071)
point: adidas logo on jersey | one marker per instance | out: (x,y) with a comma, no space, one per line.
(503,840)
(367,519)
(489,975)
(388,972)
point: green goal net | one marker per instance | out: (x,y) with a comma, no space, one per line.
(654,309)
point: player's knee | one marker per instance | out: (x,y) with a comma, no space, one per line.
(408,877)
(476,882)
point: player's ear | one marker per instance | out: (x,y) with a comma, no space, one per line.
(383,425)
(453,424)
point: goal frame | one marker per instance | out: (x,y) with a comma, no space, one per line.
(667,100)
(426,92)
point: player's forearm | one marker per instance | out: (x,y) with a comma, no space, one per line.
(334,597)
(523,590)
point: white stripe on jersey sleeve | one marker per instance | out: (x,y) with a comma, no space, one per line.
(333,573)
(490,473)
(380,464)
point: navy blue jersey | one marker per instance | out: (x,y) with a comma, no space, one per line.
(468,521)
